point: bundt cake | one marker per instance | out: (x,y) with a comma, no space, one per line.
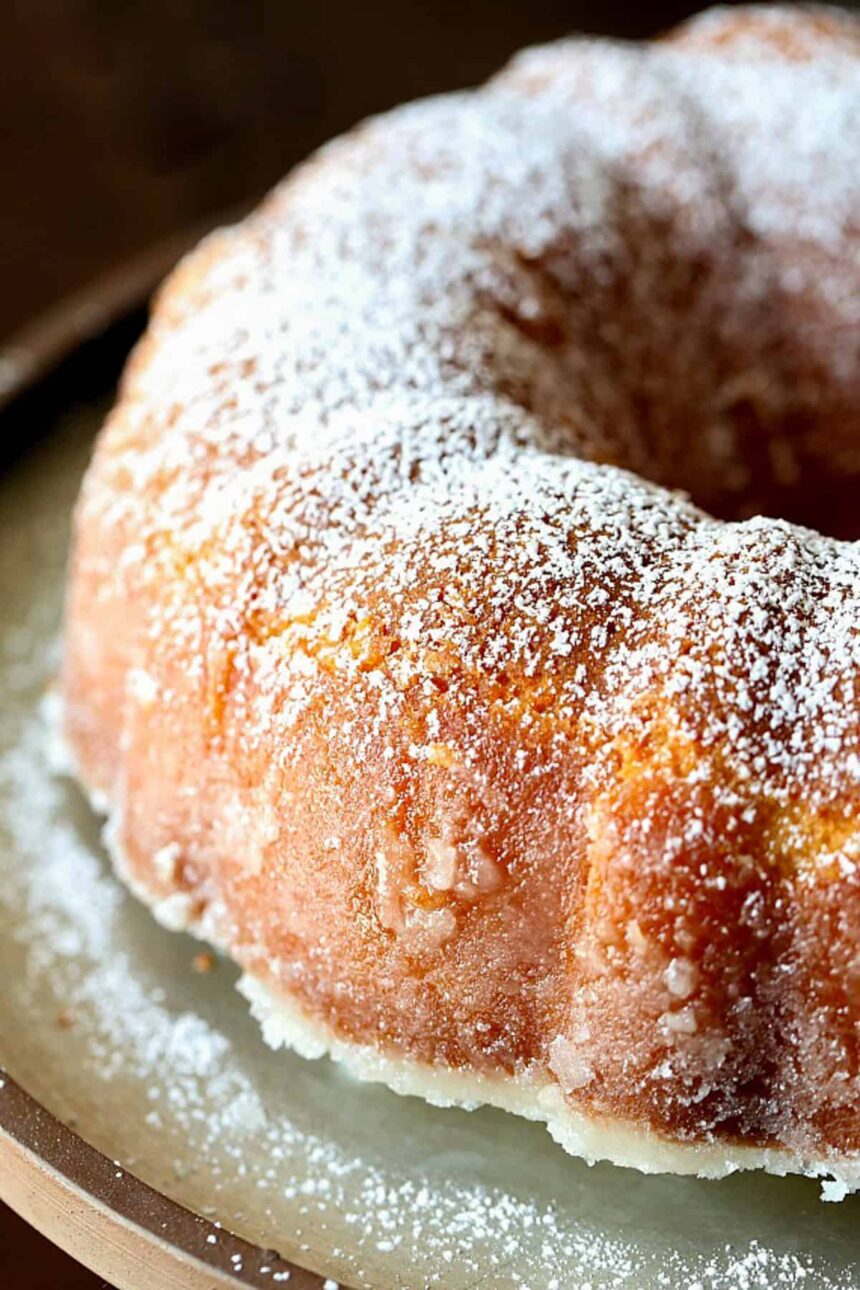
(442,641)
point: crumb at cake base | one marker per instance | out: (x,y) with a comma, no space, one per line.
(534,1096)
(591,1138)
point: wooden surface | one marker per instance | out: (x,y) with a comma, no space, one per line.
(30,1262)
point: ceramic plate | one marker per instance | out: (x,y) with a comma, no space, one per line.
(129,1035)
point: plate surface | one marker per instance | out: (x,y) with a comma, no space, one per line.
(104,1020)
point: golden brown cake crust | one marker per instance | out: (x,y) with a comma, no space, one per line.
(397,678)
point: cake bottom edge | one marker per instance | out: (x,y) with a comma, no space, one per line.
(585,1135)
(593,1139)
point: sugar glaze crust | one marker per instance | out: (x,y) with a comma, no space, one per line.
(400,672)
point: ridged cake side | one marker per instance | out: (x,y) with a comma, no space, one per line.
(395,663)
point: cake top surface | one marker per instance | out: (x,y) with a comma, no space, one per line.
(415,401)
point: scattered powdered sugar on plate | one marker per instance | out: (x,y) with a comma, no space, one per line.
(162,1069)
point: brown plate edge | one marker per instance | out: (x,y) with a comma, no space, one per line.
(32,352)
(111,1221)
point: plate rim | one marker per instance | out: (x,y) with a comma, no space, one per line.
(108,1219)
(39,348)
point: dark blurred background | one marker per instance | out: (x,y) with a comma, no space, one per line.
(127,122)
(124,121)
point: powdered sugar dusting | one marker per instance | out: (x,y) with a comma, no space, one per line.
(389,486)
(258,1141)
(210,1116)
(392,355)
